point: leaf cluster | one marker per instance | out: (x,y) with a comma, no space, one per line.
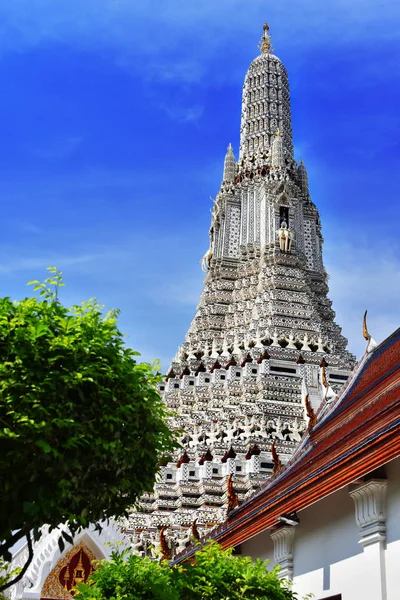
(82,427)
(215,575)
(129,577)
(6,575)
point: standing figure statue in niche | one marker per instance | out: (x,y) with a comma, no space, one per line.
(285,237)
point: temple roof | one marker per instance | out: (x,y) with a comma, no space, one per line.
(354,437)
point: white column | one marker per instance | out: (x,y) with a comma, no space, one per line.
(283,550)
(370,504)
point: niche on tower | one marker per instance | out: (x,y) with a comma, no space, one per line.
(284,216)
(285,234)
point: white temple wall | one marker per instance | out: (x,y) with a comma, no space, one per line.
(392,554)
(327,556)
(259,546)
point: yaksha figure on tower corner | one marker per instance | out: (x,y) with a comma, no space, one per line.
(249,372)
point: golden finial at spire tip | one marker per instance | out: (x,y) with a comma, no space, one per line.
(265,42)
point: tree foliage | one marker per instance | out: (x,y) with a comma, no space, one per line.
(82,425)
(129,577)
(215,575)
(6,575)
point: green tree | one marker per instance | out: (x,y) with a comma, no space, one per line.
(128,577)
(82,425)
(216,574)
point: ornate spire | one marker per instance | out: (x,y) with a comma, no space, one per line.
(265,107)
(229,165)
(265,42)
(277,159)
(248,328)
(303,178)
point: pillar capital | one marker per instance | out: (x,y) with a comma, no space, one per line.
(370,504)
(283,550)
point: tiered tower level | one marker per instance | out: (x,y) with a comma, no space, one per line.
(263,325)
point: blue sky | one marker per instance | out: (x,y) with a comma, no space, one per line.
(115,118)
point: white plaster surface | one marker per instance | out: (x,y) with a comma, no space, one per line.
(328,556)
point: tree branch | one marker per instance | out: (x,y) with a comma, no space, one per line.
(5,546)
(25,567)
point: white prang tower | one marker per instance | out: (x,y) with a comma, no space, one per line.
(263,327)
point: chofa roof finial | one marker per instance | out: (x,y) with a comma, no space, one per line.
(265,42)
(371,342)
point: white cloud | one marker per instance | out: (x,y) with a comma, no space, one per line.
(41,261)
(197,32)
(183,114)
(187,293)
